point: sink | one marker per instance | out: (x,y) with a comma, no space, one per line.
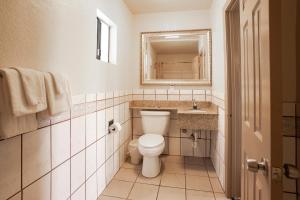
(194,111)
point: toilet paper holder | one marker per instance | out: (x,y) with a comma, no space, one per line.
(114,127)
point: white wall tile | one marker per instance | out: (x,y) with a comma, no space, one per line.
(77,170)
(122,113)
(186,92)
(161,91)
(149,91)
(38,190)
(10,167)
(173,97)
(161,97)
(101,182)
(60,185)
(136,97)
(198,92)
(109,145)
(109,169)
(91,188)
(109,94)
(127,111)
(90,97)
(200,151)
(77,134)
(116,162)
(100,152)
(91,128)
(116,114)
(137,91)
(149,97)
(199,97)
(186,147)
(60,134)
(173,91)
(174,146)
(100,96)
(116,140)
(91,162)
(101,131)
(79,194)
(36,155)
(78,99)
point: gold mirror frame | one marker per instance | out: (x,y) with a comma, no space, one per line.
(170,81)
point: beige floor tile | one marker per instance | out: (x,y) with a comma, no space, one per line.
(167,193)
(194,160)
(129,165)
(196,195)
(118,189)
(153,181)
(221,196)
(109,198)
(172,159)
(198,183)
(143,192)
(127,174)
(173,180)
(177,168)
(215,183)
(198,170)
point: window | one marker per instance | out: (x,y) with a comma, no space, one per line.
(106,39)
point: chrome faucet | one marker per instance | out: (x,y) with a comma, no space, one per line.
(195,107)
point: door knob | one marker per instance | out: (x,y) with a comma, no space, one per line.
(255,166)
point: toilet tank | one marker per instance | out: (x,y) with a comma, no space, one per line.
(155,122)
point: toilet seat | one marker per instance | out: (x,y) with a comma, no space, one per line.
(151,140)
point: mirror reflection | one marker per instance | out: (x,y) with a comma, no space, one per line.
(176,57)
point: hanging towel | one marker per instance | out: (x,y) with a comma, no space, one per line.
(58,100)
(34,87)
(11,125)
(17,94)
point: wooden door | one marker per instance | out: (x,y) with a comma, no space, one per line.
(260,63)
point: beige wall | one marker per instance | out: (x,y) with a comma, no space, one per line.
(61,36)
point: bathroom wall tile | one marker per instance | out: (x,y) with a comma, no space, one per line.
(116,140)
(109,94)
(78,110)
(91,160)
(166,150)
(209,98)
(77,171)
(100,152)
(186,97)
(101,182)
(122,133)
(79,194)
(198,92)
(91,97)
(149,91)
(150,97)
(122,113)
(136,97)
(109,169)
(174,129)
(61,117)
(109,145)
(173,97)
(199,97)
(122,155)
(91,107)
(43,121)
(116,114)
(200,151)
(161,97)
(60,184)
(38,190)
(116,162)
(91,128)
(78,99)
(36,158)
(10,168)
(100,96)
(190,92)
(137,91)
(173,91)
(101,131)
(136,113)
(60,135)
(91,188)
(116,93)
(127,111)
(77,134)
(116,100)
(101,105)
(161,91)
(289,152)
(121,93)
(186,147)
(174,146)
(137,126)
(109,103)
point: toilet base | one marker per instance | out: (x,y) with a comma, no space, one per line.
(151,166)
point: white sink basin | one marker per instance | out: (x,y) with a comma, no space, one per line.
(193,111)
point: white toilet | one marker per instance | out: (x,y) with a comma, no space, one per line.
(152,143)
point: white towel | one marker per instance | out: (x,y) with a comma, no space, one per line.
(34,87)
(58,100)
(11,125)
(18,101)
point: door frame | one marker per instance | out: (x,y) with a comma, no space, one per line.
(233,140)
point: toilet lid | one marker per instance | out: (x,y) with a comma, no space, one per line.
(151,140)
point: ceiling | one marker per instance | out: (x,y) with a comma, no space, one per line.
(150,6)
(175,47)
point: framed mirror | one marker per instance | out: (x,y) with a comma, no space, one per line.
(176,58)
